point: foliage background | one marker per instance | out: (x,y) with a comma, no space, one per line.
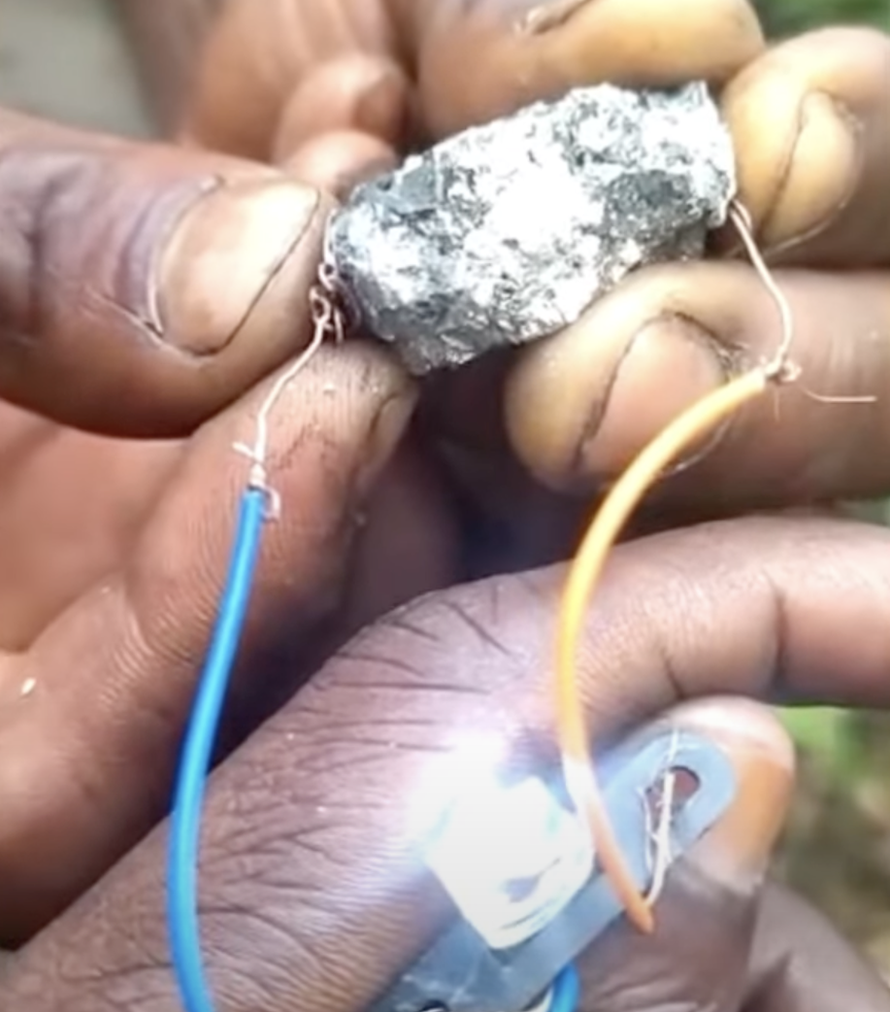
(837,849)
(785,16)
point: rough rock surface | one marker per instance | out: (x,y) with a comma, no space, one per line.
(507,232)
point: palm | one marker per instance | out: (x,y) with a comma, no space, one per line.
(57,481)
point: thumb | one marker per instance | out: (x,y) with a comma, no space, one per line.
(699,955)
(142,287)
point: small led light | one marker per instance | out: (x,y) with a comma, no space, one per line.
(511,857)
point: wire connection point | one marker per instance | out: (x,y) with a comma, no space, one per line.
(259,503)
(585,573)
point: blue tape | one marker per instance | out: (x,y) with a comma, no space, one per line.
(461,973)
(631,770)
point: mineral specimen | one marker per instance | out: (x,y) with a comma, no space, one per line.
(507,232)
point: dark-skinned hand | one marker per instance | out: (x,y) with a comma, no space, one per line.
(314,892)
(329,90)
(104,329)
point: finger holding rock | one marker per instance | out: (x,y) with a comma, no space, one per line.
(338,160)
(581,405)
(811,123)
(433,67)
(517,51)
(145,288)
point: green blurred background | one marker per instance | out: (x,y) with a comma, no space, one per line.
(837,849)
(787,16)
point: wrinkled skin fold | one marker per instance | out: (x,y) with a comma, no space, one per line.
(311,825)
(152,293)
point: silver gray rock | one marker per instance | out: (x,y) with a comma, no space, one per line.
(507,232)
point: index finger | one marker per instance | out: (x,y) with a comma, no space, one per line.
(314,829)
(350,64)
(513,52)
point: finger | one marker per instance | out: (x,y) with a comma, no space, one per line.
(406,544)
(801,964)
(698,955)
(811,122)
(333,65)
(339,160)
(472,62)
(315,829)
(513,521)
(582,404)
(410,543)
(512,52)
(111,680)
(145,288)
(359,94)
(44,565)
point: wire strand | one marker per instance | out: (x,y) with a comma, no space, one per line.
(777,368)
(258,452)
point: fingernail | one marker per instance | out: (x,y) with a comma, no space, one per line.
(545,17)
(668,365)
(340,160)
(822,174)
(222,257)
(384,436)
(737,851)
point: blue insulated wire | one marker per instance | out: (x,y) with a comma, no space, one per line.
(566,991)
(200,736)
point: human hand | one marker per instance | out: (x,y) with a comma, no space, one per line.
(314,892)
(331,88)
(147,290)
(58,618)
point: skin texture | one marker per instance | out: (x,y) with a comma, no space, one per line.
(154,292)
(254,65)
(812,126)
(139,289)
(311,826)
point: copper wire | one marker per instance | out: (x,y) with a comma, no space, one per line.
(327,321)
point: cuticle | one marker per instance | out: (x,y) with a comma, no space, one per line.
(729,354)
(856,127)
(156,322)
(788,162)
(277,267)
(219,184)
(729,357)
(595,418)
